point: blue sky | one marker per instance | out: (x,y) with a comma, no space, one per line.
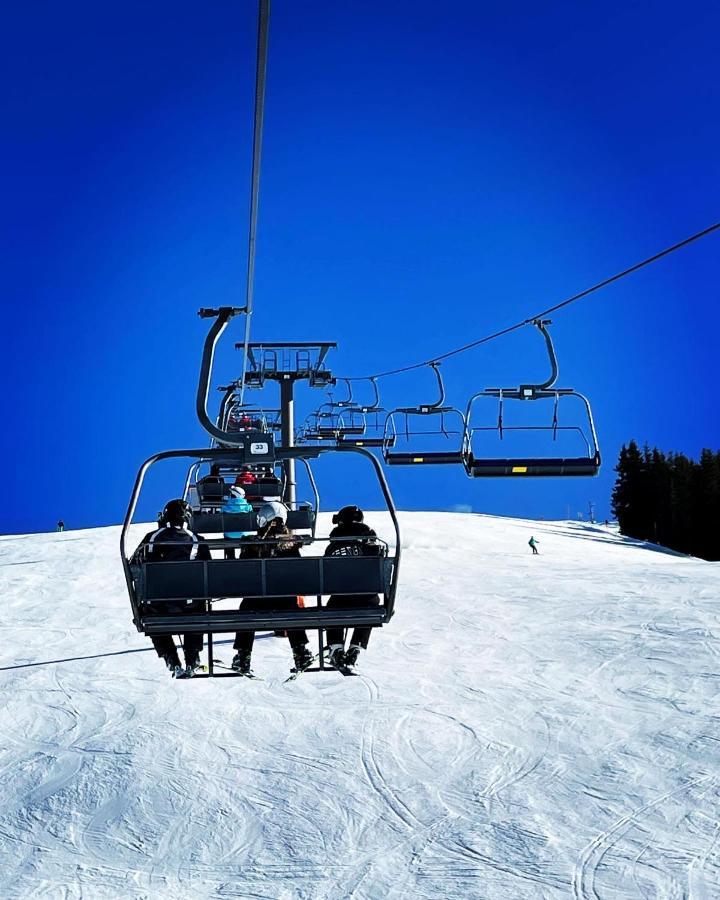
(430,174)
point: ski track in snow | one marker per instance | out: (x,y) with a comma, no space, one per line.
(526,727)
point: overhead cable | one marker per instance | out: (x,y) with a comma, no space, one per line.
(261,67)
(545,312)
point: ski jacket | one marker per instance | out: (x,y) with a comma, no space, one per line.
(361,541)
(288,545)
(171,544)
(234,505)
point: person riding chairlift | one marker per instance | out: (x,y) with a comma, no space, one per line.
(273,539)
(351,537)
(170,542)
(235,504)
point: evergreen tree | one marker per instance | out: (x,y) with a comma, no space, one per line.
(682,494)
(627,493)
(669,499)
(660,495)
(707,505)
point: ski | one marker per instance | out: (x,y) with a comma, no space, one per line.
(185,675)
(295,672)
(221,665)
(343,670)
(347,672)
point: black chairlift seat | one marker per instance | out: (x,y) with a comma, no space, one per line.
(372,442)
(274,577)
(437,458)
(262,489)
(219,622)
(212,491)
(302,519)
(532,467)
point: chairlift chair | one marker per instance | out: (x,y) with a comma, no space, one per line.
(481,466)
(368,416)
(341,418)
(151,583)
(431,412)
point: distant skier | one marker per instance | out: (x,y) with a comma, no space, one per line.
(533,544)
(174,541)
(60,525)
(351,537)
(235,503)
(273,539)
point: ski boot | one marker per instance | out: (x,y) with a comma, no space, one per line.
(351,657)
(172,661)
(303,658)
(241,664)
(335,656)
(192,665)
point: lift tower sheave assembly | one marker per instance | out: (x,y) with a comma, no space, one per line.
(287,363)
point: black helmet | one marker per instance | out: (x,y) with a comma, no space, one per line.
(348,515)
(176,512)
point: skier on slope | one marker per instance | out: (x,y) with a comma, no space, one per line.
(351,537)
(235,503)
(533,544)
(174,541)
(273,539)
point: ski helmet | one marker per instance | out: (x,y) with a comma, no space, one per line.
(270,511)
(176,512)
(348,515)
(237,492)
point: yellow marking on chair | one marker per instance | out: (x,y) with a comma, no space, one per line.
(519,470)
(418,459)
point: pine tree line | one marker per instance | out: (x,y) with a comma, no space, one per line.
(669,499)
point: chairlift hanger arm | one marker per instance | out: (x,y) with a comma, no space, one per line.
(534,391)
(437,406)
(541,324)
(365,408)
(222,317)
(441,387)
(375,405)
(225,403)
(348,401)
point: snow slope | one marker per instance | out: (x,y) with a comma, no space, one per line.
(526,727)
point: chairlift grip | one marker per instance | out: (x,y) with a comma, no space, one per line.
(221,311)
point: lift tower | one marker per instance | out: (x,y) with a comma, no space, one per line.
(287,363)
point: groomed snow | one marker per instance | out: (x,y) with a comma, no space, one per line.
(525,727)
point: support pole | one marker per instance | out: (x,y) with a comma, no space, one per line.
(287,421)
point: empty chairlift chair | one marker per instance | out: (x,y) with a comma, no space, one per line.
(478,464)
(368,430)
(414,445)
